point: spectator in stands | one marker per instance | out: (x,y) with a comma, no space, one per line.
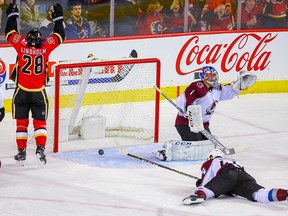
(76,25)
(47,25)
(218,15)
(29,16)
(125,17)
(175,17)
(151,21)
(98,15)
(3,16)
(195,8)
(274,14)
(250,13)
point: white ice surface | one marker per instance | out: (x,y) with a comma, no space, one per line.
(65,187)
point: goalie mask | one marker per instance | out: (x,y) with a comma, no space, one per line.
(34,38)
(209,75)
(214,153)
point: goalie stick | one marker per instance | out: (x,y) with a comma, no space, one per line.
(124,152)
(209,136)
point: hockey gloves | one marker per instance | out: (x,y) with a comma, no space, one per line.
(12,11)
(57,13)
(2,113)
(198,182)
(244,80)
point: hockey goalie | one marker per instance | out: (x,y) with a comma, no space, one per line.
(192,150)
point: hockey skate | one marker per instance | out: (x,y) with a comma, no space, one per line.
(40,155)
(193,199)
(21,156)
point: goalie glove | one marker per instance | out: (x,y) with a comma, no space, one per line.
(244,80)
(2,113)
(12,11)
(57,13)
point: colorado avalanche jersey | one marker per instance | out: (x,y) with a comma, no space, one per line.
(212,168)
(197,93)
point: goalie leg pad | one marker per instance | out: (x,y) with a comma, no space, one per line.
(187,150)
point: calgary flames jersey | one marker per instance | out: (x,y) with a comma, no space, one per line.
(275,8)
(30,71)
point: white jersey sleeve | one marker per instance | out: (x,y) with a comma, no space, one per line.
(227,93)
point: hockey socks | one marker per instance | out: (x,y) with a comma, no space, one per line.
(270,195)
(277,195)
(22,132)
(40,132)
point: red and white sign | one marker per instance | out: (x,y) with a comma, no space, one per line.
(261,52)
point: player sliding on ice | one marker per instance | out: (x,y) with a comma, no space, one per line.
(31,75)
(222,176)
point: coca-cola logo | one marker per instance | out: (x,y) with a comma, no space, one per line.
(246,52)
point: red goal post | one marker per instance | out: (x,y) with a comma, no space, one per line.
(121,90)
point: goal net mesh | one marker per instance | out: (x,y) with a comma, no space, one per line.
(116,93)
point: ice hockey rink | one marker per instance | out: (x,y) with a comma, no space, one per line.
(78,181)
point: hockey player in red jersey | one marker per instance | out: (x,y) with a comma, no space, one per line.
(223,176)
(31,75)
(207,92)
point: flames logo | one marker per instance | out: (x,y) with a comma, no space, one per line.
(2,71)
(227,12)
(156,27)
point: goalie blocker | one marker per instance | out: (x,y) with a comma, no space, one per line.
(184,150)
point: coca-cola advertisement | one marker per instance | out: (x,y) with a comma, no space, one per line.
(182,55)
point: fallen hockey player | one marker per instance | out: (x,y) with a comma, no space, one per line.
(222,176)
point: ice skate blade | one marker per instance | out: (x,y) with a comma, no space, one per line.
(42,161)
(20,163)
(192,200)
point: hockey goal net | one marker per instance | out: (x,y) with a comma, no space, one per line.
(118,90)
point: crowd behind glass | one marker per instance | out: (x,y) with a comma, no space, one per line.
(109,18)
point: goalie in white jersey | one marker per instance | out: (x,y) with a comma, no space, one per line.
(207,92)
(223,176)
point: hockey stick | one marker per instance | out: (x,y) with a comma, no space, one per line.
(206,133)
(117,78)
(124,152)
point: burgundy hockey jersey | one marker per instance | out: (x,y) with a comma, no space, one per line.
(197,93)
